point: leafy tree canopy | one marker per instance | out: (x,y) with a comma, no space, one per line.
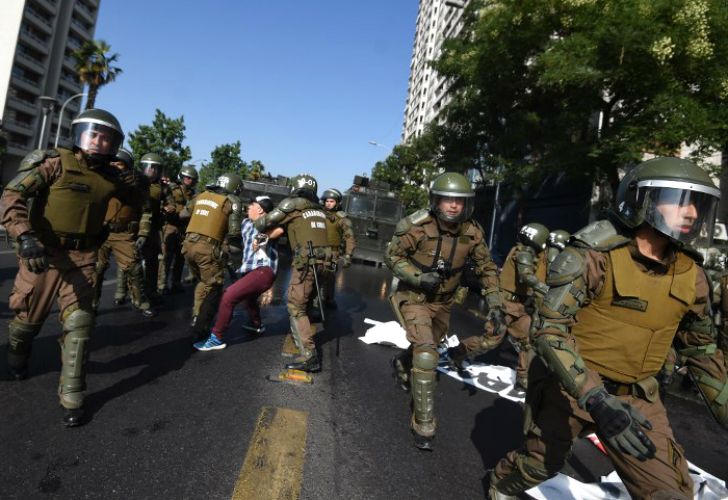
(409,169)
(226,159)
(95,67)
(584,86)
(165,136)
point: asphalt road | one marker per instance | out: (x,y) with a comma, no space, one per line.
(166,421)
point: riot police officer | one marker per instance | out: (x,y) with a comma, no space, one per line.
(174,229)
(158,196)
(427,256)
(306,224)
(57,242)
(341,238)
(557,241)
(212,234)
(633,287)
(129,224)
(522,283)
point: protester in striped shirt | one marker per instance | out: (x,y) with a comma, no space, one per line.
(258,272)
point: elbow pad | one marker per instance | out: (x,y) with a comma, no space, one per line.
(567,289)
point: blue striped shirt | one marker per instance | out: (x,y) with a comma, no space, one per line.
(251,259)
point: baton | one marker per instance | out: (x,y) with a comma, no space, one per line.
(316,281)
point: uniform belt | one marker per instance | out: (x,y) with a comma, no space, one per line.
(67,243)
(201,237)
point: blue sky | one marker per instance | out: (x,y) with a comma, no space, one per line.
(304,85)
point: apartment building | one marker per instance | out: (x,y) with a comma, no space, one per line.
(36,71)
(427,92)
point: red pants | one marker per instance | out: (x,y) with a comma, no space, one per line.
(247,289)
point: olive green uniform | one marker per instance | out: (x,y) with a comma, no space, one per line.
(423,244)
(69,204)
(304,222)
(172,236)
(341,238)
(126,222)
(158,196)
(609,319)
(215,220)
(522,270)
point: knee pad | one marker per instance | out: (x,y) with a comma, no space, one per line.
(425,358)
(78,321)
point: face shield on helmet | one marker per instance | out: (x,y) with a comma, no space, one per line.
(451,197)
(96,139)
(151,169)
(331,199)
(683,211)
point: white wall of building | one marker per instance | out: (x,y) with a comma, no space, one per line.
(10,18)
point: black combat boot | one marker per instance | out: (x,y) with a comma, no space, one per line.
(310,364)
(423,442)
(72,417)
(18,373)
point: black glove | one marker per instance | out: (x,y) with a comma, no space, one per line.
(619,423)
(430,282)
(130,178)
(139,243)
(497,318)
(455,357)
(32,253)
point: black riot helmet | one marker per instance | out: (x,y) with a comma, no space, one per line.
(126,156)
(97,133)
(672,195)
(332,194)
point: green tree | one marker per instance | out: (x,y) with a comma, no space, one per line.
(227,158)
(165,136)
(584,86)
(95,68)
(409,169)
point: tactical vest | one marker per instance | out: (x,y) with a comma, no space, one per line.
(625,333)
(334,230)
(120,215)
(443,248)
(75,205)
(155,201)
(508,276)
(311,224)
(208,218)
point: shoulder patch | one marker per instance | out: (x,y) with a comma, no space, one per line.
(341,214)
(32,160)
(235,201)
(600,235)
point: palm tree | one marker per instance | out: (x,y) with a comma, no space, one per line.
(94,67)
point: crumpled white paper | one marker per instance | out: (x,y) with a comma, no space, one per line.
(385,333)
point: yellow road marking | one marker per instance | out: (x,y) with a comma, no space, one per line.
(273,467)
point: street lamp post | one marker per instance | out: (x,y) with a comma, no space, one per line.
(47,104)
(60,115)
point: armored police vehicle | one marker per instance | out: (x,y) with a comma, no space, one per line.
(374,212)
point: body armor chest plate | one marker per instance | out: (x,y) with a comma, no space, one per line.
(310,224)
(444,250)
(75,204)
(626,331)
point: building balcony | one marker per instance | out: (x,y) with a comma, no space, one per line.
(80,29)
(70,63)
(30,62)
(50,5)
(26,84)
(38,21)
(85,12)
(12,125)
(21,105)
(34,41)
(18,149)
(70,84)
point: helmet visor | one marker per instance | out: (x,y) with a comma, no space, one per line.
(151,170)
(681,214)
(96,139)
(451,208)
